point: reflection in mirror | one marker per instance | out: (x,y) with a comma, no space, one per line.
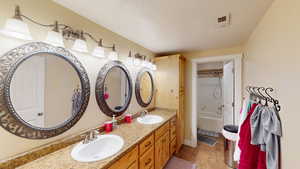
(146,87)
(46,91)
(116,88)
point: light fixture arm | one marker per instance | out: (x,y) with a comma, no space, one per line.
(33,21)
(99,42)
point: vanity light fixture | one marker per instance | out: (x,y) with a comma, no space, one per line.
(54,37)
(145,62)
(99,50)
(80,44)
(129,59)
(153,66)
(137,59)
(113,55)
(15,27)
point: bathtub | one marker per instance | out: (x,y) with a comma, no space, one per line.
(210,121)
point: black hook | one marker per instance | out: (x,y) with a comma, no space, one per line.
(260,97)
(275,102)
(264,97)
(254,93)
(248,90)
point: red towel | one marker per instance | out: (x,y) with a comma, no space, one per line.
(251,155)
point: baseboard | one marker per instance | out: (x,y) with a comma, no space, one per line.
(190,143)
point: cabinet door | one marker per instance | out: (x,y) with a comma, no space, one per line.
(170,84)
(167,81)
(159,153)
(127,160)
(172,147)
(166,148)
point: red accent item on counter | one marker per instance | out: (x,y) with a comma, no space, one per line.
(106,96)
(108,126)
(128,118)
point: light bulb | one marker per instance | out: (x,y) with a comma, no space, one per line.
(113,55)
(16,28)
(99,52)
(136,62)
(80,46)
(55,38)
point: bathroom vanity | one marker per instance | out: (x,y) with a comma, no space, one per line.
(145,147)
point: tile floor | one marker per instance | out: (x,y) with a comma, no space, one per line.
(204,156)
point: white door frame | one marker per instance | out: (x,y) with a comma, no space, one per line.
(237,58)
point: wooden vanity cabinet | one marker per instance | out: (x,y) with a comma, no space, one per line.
(128,161)
(170,89)
(153,152)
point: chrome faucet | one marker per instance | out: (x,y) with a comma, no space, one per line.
(91,136)
(144,113)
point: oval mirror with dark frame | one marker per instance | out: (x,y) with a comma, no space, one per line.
(144,87)
(45,90)
(113,88)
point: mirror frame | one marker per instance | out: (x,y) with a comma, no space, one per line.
(9,118)
(99,88)
(138,87)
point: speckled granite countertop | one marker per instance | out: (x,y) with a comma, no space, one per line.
(131,133)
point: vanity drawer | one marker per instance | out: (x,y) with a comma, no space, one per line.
(173,122)
(162,130)
(127,160)
(146,144)
(173,132)
(147,160)
(172,146)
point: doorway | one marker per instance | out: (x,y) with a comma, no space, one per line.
(215,97)
(215,101)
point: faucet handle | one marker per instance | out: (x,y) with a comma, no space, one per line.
(93,134)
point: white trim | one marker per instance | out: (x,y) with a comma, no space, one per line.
(190,143)
(237,58)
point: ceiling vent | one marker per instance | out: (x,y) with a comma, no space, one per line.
(224,21)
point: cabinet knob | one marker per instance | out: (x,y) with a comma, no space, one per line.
(40,114)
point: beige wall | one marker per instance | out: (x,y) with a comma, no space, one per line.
(188,79)
(47,11)
(272,58)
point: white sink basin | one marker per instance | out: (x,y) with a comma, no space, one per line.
(150,119)
(103,147)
